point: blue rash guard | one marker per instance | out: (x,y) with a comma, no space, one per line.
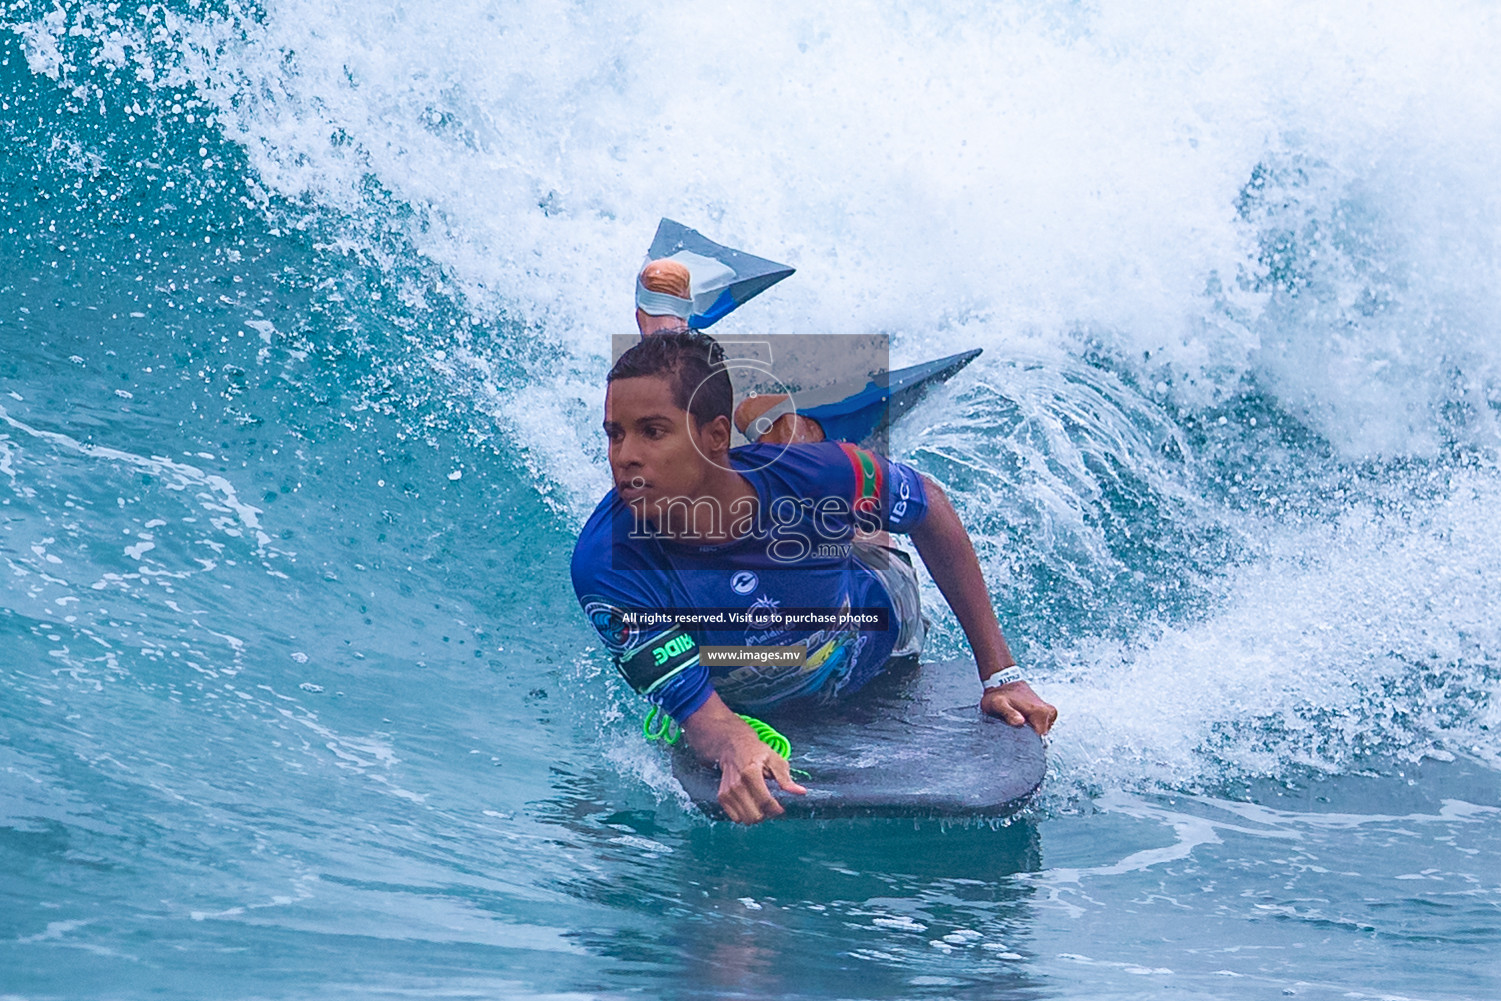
(796,555)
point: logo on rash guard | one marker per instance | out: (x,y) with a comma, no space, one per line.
(681,643)
(610,623)
(744,582)
(762,617)
(900,507)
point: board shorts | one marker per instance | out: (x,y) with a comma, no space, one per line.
(893,568)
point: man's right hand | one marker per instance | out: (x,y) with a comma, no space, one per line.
(743,771)
(1018,705)
(745,763)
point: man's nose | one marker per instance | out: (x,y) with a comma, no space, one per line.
(627,452)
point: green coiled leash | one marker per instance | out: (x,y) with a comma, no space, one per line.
(659,726)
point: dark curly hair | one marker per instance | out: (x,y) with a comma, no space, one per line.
(695,363)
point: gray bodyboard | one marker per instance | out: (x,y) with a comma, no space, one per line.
(916,745)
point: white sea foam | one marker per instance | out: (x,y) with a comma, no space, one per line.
(958,172)
(1373,635)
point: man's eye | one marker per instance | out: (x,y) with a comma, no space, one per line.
(654,433)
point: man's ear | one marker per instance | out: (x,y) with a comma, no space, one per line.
(714,436)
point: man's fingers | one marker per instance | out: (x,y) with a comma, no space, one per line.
(782,772)
(1020,708)
(738,804)
(1003,707)
(764,801)
(1041,718)
(745,797)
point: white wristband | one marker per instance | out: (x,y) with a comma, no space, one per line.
(1003,677)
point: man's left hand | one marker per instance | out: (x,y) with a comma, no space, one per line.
(1018,705)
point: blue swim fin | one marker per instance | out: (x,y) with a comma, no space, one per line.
(723,278)
(861,414)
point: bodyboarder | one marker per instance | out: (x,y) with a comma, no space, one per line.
(701,546)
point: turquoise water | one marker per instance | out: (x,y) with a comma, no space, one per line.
(305,309)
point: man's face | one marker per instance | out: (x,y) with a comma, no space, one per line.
(656,453)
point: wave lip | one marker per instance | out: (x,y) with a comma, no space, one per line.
(1362,643)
